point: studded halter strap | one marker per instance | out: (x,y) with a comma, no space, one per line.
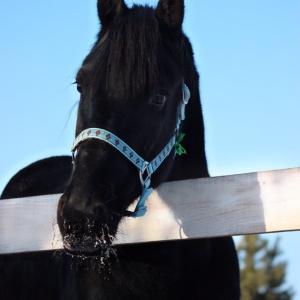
(146,169)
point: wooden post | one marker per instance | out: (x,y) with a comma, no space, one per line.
(209,207)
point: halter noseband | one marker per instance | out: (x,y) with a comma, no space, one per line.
(146,169)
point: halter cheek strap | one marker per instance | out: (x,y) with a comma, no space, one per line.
(146,169)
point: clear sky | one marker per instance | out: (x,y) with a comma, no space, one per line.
(248,56)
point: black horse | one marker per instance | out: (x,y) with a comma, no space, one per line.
(131,87)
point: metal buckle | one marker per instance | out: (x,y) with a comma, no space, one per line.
(73,156)
(142,174)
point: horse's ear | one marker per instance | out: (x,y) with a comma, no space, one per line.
(108,10)
(170,13)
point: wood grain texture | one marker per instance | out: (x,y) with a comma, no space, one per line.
(210,207)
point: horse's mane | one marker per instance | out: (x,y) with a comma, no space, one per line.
(127,53)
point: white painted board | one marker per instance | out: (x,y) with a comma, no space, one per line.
(210,207)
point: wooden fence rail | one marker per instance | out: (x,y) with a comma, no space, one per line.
(210,207)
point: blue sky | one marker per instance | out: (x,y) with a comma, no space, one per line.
(247,53)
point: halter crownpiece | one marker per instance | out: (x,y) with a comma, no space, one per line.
(146,169)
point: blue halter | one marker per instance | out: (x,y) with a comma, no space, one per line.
(146,169)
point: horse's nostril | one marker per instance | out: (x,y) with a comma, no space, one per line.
(63,200)
(100,211)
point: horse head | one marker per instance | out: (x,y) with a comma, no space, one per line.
(133,89)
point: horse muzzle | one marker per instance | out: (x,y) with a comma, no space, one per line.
(86,247)
(85,232)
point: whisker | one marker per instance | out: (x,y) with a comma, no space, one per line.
(68,117)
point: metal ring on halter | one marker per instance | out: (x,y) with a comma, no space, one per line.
(186,94)
(73,156)
(148,174)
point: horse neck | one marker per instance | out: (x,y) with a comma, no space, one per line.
(193,164)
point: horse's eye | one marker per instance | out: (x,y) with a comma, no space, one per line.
(79,88)
(160,99)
